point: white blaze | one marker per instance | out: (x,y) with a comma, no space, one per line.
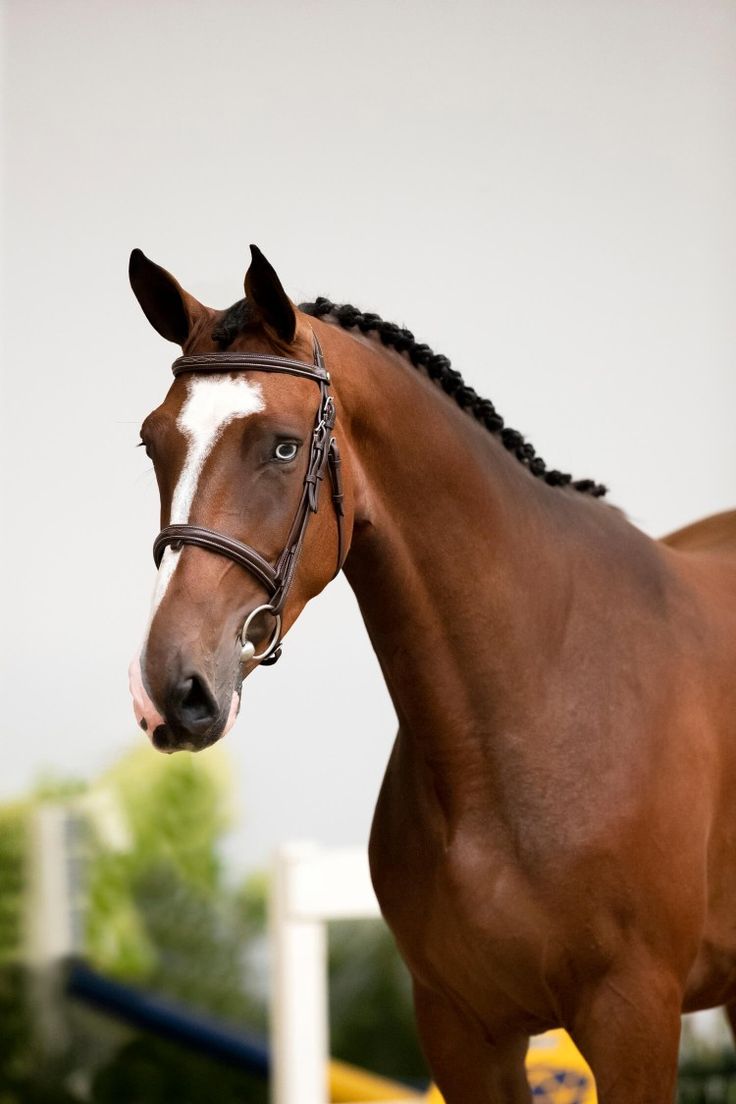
(211,404)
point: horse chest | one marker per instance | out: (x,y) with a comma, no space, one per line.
(462,911)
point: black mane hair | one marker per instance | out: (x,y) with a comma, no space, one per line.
(437,367)
(235,319)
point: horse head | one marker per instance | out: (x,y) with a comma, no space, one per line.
(240,446)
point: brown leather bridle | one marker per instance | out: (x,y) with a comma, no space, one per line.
(324,454)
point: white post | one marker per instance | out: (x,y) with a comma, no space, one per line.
(58,855)
(299,1029)
(311,886)
(50,926)
(52,920)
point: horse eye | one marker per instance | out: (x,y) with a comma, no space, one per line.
(286,451)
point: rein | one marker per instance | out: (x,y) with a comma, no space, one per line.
(276,578)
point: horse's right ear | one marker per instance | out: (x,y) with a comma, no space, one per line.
(170,310)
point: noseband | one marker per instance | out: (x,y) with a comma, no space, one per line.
(276,578)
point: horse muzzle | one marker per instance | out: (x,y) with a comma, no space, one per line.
(192,719)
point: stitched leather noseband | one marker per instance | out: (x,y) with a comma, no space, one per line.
(276,578)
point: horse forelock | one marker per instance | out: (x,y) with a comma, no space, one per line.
(233,322)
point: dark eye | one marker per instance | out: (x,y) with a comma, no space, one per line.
(285,451)
(144,445)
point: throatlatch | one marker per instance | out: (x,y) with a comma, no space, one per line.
(324,454)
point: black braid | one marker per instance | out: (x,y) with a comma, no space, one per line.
(449,379)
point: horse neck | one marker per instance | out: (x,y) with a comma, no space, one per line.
(458,558)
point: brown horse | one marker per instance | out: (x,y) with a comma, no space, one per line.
(555,838)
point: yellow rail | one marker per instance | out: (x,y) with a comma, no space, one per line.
(351,1084)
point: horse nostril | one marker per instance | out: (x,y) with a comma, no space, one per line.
(193,713)
(196,704)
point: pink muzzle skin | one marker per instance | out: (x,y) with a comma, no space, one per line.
(147,715)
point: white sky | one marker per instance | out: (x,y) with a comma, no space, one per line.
(551,183)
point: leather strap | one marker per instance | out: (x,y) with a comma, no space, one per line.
(338,497)
(240,362)
(213,541)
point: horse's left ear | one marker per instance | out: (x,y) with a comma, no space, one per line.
(263,289)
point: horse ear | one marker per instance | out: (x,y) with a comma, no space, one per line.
(263,289)
(170,310)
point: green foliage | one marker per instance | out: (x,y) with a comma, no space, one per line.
(50,787)
(711,1082)
(159,912)
(252,902)
(116,939)
(371,1015)
(177,810)
(13,845)
(150,1071)
(24,1079)
(15,1055)
(171,811)
(200,957)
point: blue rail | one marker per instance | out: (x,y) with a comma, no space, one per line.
(169,1020)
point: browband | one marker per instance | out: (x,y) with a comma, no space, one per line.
(239,362)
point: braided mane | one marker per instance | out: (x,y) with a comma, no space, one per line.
(437,367)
